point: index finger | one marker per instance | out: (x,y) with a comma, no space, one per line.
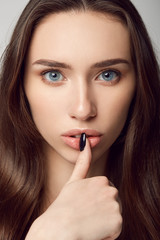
(82,164)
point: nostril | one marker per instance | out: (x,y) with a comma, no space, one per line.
(83,107)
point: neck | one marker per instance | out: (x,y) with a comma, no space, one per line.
(59,171)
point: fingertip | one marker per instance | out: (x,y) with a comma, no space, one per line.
(82,142)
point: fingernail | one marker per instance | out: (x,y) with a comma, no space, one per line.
(82,142)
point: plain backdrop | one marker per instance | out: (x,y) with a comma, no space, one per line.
(11,9)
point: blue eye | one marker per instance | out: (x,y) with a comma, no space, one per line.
(109,76)
(53,76)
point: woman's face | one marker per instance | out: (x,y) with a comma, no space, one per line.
(79,78)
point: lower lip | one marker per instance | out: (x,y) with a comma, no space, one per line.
(74,142)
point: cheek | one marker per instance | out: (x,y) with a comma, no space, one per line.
(115,110)
(120,108)
(43,109)
(47,108)
(119,115)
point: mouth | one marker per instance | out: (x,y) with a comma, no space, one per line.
(72,137)
(76,136)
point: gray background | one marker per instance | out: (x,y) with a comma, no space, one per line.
(11,9)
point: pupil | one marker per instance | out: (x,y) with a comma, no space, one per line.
(54,75)
(107,75)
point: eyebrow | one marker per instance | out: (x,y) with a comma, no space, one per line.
(51,63)
(110,62)
(105,63)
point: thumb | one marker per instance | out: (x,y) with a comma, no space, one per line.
(82,164)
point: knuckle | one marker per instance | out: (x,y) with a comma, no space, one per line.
(112,192)
(119,224)
(103,180)
(116,207)
(117,227)
(119,221)
(100,181)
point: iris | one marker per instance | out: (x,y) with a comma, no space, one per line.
(109,75)
(53,76)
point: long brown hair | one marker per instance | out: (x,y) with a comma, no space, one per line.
(134,160)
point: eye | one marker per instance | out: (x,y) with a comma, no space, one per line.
(52,76)
(109,76)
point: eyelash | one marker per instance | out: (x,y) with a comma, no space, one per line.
(117,75)
(48,71)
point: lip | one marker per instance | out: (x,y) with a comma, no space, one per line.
(93,136)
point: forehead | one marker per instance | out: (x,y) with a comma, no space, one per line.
(91,34)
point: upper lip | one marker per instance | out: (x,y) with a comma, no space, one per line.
(88,132)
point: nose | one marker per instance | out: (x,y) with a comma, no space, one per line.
(83,104)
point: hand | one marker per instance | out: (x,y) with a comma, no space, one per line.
(86,208)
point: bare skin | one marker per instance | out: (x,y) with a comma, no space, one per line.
(91,87)
(78,211)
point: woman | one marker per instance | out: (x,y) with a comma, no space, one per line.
(79,69)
